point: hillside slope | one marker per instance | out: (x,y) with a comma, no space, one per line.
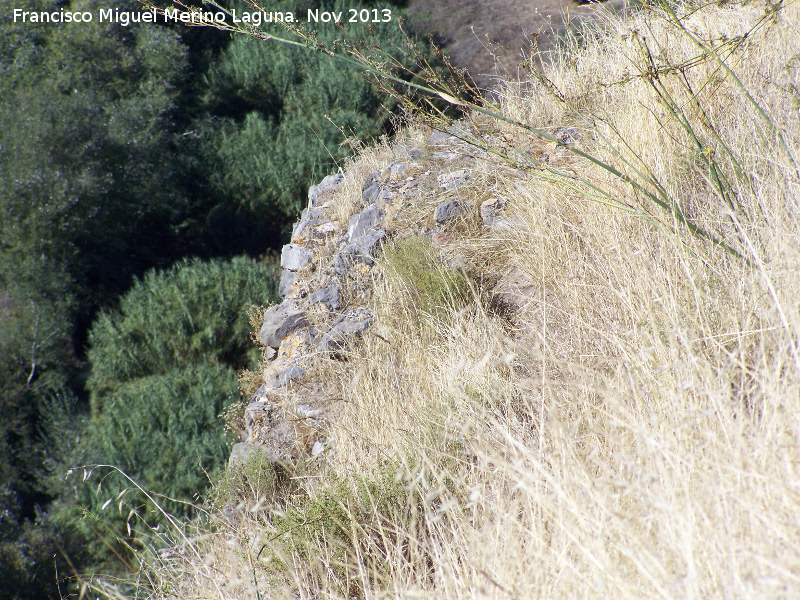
(490,39)
(559,362)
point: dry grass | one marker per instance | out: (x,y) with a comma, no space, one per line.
(615,413)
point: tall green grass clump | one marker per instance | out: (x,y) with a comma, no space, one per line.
(429,287)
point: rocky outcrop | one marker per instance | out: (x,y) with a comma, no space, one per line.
(326,284)
(294,257)
(311,321)
(447,211)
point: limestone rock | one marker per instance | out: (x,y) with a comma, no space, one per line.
(371,193)
(410,152)
(330,183)
(447,211)
(305,411)
(361,222)
(455,134)
(328,296)
(302,231)
(344,259)
(326,228)
(256,412)
(312,214)
(297,229)
(362,250)
(491,209)
(269,430)
(261,394)
(294,257)
(290,375)
(371,180)
(446,155)
(275,437)
(367,244)
(447,181)
(348,328)
(280,321)
(384,197)
(512,223)
(287,280)
(318,448)
(398,170)
(317,192)
(442,138)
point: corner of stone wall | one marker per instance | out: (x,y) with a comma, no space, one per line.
(327,278)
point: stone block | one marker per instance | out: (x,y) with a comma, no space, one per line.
(317,192)
(280,321)
(287,281)
(348,328)
(447,181)
(398,170)
(447,211)
(328,296)
(371,180)
(290,375)
(363,221)
(491,209)
(294,257)
(371,193)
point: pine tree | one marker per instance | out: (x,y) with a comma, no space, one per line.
(278,115)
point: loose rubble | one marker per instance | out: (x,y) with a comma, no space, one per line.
(347,328)
(491,210)
(448,181)
(364,221)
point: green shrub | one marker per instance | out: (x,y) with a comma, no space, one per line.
(278,115)
(163,432)
(429,286)
(193,312)
(369,506)
(28,564)
(163,369)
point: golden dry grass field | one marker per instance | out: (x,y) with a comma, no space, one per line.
(611,407)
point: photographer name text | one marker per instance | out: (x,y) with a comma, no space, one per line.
(199,18)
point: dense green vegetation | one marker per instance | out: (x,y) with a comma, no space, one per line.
(163,369)
(124,150)
(279,117)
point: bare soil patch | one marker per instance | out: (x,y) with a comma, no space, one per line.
(491,38)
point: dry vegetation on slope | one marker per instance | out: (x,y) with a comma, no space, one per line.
(490,38)
(613,409)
